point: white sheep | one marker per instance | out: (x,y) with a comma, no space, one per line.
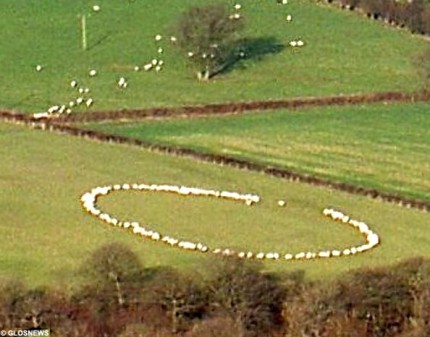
(335,252)
(288,256)
(122,82)
(155,236)
(40,115)
(148,66)
(53,109)
(324,254)
(260,256)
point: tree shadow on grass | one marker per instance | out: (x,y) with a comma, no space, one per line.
(250,50)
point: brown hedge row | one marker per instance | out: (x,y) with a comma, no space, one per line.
(62,125)
(221,160)
(414,15)
(241,107)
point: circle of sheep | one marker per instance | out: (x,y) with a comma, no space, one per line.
(89,203)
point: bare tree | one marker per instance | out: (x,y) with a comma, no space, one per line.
(181,296)
(207,34)
(115,269)
(253,299)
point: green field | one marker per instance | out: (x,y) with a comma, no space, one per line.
(343,53)
(45,234)
(377,146)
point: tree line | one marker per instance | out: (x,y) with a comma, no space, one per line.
(119,297)
(412,14)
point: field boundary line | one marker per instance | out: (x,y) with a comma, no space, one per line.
(243,107)
(233,108)
(219,159)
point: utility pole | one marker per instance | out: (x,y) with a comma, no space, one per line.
(84,31)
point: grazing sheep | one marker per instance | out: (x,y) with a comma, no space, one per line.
(53,109)
(288,256)
(335,252)
(148,66)
(40,115)
(260,256)
(324,254)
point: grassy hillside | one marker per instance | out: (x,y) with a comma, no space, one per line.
(343,53)
(377,146)
(45,234)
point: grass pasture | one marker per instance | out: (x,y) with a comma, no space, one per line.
(377,146)
(343,53)
(45,234)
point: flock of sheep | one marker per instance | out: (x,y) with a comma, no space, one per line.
(89,203)
(156,64)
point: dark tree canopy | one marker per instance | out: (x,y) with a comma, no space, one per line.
(207,34)
(253,299)
(115,269)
